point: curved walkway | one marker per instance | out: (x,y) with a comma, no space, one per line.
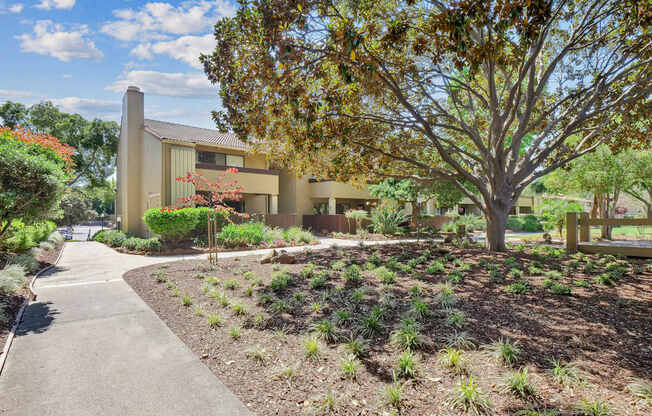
(90,345)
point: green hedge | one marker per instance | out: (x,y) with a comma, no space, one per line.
(115,238)
(528,223)
(176,225)
(257,234)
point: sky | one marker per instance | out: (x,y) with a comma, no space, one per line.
(82,55)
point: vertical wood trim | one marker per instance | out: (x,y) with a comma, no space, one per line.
(585,229)
(571,232)
(183,160)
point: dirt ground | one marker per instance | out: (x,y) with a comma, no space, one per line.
(259,347)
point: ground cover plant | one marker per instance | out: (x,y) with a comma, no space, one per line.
(394,335)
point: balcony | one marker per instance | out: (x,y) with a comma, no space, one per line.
(252,180)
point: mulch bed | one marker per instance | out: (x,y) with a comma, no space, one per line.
(204,250)
(604,331)
(16,300)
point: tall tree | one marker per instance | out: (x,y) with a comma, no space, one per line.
(641,186)
(13,114)
(96,141)
(493,92)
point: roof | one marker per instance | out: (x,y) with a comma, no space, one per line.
(190,134)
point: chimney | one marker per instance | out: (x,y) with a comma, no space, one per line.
(133,107)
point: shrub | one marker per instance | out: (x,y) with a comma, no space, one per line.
(298,236)
(151,245)
(12,278)
(504,351)
(116,238)
(386,276)
(20,237)
(469,398)
(173,225)
(242,235)
(352,274)
(518,383)
(387,220)
(26,261)
(407,364)
(132,243)
(453,359)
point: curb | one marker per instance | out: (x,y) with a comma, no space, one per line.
(19,317)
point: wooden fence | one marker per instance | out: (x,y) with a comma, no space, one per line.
(283,220)
(329,223)
(584,223)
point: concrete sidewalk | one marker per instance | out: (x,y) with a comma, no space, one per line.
(90,346)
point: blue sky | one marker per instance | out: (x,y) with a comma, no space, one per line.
(82,54)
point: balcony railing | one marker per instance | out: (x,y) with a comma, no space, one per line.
(210,166)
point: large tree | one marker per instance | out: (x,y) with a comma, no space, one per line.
(490,92)
(96,141)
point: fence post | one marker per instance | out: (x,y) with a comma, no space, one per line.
(585,230)
(571,232)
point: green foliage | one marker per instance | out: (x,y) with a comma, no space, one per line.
(357,346)
(324,330)
(564,373)
(520,287)
(595,407)
(454,359)
(387,219)
(385,275)
(32,180)
(349,366)
(528,223)
(393,394)
(311,348)
(469,398)
(407,364)
(553,213)
(20,237)
(175,225)
(504,351)
(408,334)
(352,274)
(518,383)
(12,277)
(281,280)
(560,289)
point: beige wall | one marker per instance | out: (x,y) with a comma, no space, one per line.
(255,204)
(252,183)
(334,189)
(151,179)
(182,162)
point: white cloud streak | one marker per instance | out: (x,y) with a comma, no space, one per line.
(165,83)
(53,40)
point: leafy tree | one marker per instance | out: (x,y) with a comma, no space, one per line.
(603,174)
(77,207)
(33,173)
(13,114)
(96,141)
(494,92)
(641,186)
(553,213)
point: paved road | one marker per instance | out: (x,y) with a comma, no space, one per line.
(90,345)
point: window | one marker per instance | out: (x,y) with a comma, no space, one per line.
(220,159)
(525,210)
(235,160)
(206,157)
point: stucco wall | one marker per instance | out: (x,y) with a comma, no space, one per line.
(255,204)
(338,190)
(151,180)
(252,183)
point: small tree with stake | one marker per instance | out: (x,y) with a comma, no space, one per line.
(214,195)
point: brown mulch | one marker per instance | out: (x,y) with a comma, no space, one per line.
(16,300)
(604,331)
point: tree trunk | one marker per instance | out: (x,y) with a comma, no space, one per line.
(496,223)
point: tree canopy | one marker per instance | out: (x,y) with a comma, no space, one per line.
(96,141)
(492,93)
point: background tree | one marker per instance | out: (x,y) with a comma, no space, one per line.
(96,141)
(553,213)
(77,208)
(603,175)
(496,93)
(13,114)
(641,186)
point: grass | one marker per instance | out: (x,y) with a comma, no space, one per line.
(325,330)
(504,351)
(258,354)
(595,407)
(454,359)
(349,366)
(235,333)
(393,394)
(408,334)
(407,364)
(641,389)
(468,397)
(239,309)
(518,384)
(311,348)
(357,346)
(564,373)
(186,300)
(460,340)
(518,288)
(214,321)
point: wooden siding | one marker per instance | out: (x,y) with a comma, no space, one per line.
(182,161)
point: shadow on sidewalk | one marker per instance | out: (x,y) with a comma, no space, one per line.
(38,317)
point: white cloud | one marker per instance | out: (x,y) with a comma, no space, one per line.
(55,4)
(185,48)
(14,94)
(67,75)
(16,8)
(164,83)
(88,106)
(51,39)
(157,20)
